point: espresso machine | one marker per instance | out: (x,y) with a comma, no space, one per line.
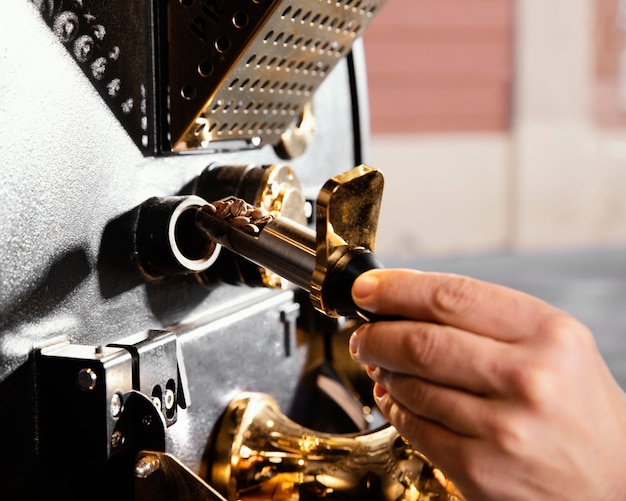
(186,203)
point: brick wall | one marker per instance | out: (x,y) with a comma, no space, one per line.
(440,66)
(610,95)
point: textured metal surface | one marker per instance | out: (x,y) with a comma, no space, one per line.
(71,172)
(279,62)
(195,74)
(114,43)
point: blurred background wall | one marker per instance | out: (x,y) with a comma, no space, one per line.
(499,124)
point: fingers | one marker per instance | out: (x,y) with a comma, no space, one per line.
(491,385)
(443,447)
(482,308)
(466,461)
(443,355)
(462,413)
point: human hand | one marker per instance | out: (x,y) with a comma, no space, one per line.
(508,395)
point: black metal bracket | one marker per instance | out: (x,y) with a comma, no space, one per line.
(91,399)
(158,370)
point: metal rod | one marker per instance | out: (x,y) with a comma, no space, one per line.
(283,246)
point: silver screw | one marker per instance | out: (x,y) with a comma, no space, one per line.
(87,379)
(146,466)
(117,439)
(116,405)
(156,401)
(169,399)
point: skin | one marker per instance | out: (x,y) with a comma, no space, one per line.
(505,393)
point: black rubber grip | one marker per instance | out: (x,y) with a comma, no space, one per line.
(337,289)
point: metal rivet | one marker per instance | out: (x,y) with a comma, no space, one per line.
(117,439)
(87,379)
(169,399)
(116,405)
(146,466)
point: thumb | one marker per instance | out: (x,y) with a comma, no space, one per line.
(472,305)
(385,291)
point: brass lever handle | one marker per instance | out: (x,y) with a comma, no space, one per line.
(347,212)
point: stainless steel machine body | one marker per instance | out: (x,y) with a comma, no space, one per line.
(70,171)
(111,120)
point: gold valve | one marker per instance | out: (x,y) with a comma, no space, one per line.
(259,454)
(324,262)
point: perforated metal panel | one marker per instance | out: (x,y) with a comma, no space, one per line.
(256,98)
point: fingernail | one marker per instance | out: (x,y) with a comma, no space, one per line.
(364,285)
(354,343)
(379,391)
(355,340)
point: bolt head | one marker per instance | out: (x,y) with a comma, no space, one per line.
(117,439)
(87,379)
(116,405)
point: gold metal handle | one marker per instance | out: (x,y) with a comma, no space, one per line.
(347,212)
